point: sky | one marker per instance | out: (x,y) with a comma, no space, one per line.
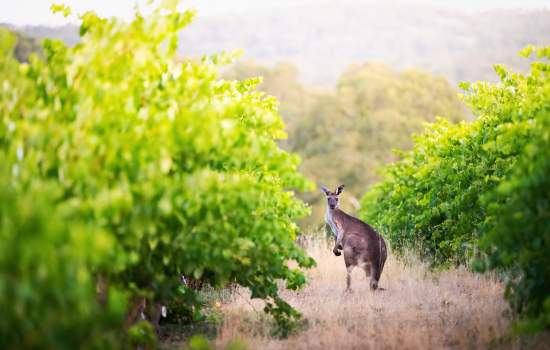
(22,12)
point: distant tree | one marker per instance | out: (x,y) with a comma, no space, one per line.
(281,81)
(344,135)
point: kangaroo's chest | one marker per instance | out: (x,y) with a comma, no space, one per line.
(329,218)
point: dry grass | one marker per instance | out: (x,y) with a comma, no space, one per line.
(418,309)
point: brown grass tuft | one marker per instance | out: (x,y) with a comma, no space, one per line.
(418,309)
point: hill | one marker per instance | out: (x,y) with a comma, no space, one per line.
(323,37)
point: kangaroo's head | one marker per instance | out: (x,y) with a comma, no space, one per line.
(332,197)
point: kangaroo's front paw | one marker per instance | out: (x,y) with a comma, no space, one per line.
(336,252)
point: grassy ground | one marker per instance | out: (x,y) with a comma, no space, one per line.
(418,309)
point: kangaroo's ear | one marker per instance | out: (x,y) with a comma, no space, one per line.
(340,189)
(324,189)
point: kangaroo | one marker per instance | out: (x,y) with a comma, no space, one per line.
(362,245)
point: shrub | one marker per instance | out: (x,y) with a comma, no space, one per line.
(47,289)
(179,171)
(429,201)
(483,185)
(517,234)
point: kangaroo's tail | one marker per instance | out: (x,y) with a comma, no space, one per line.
(381,257)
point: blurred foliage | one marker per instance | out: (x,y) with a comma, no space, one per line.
(174,171)
(483,182)
(199,342)
(47,287)
(345,135)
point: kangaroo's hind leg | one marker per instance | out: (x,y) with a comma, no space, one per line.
(348,277)
(350,261)
(366,268)
(374,276)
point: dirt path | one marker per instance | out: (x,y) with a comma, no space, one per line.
(417,310)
